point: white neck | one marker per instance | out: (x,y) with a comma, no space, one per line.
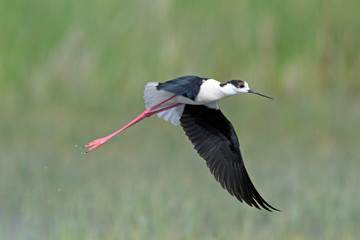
(229,90)
(211,91)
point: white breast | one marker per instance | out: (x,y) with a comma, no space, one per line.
(210,91)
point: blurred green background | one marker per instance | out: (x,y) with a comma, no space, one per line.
(73,71)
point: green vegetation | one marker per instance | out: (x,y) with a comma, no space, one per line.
(73,71)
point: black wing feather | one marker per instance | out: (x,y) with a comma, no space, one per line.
(187,86)
(214,138)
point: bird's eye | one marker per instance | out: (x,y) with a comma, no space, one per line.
(241,85)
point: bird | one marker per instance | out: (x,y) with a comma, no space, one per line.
(194,102)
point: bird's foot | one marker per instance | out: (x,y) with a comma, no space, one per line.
(94,144)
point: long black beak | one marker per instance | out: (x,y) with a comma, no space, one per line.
(251,91)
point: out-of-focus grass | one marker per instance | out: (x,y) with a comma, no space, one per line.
(74,71)
(150,183)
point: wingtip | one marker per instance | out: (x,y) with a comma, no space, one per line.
(268,207)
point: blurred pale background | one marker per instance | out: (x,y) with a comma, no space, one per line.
(73,71)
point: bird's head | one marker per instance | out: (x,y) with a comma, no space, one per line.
(238,86)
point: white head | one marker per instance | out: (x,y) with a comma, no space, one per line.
(234,87)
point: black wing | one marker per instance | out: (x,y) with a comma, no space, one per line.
(214,138)
(187,86)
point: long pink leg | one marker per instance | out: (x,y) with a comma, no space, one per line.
(147,113)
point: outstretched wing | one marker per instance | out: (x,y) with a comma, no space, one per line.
(187,86)
(215,140)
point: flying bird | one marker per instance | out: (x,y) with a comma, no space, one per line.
(194,102)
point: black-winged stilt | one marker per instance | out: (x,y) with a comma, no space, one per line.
(194,101)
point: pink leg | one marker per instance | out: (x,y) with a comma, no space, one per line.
(147,113)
